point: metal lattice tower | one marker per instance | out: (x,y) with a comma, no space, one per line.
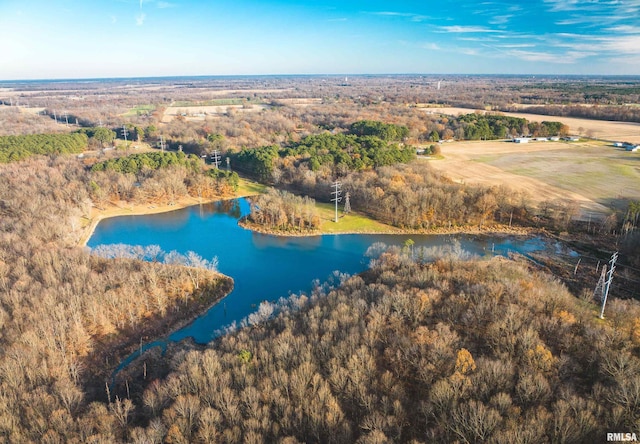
(598,293)
(347,204)
(612,268)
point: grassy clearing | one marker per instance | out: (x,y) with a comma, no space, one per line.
(212,102)
(139,109)
(588,169)
(249,188)
(349,223)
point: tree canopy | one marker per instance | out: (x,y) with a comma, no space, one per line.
(14,148)
(385,131)
(134,163)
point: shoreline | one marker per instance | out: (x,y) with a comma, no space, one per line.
(158,327)
(117,209)
(496,229)
(122,208)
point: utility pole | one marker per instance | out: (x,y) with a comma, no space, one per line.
(228,165)
(612,267)
(162,143)
(66,118)
(125,133)
(336,196)
(215,158)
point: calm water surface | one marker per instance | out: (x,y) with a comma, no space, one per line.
(266,267)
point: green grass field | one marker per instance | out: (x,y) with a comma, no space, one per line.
(592,169)
(249,188)
(349,223)
(139,109)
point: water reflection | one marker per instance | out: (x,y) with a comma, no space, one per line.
(266,267)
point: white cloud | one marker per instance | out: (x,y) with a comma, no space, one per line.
(431,46)
(625,44)
(467,29)
(140,19)
(625,29)
(165,5)
(516,45)
(413,17)
(539,56)
(469,51)
(393,13)
(500,19)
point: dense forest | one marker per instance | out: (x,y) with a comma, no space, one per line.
(495,126)
(66,316)
(279,210)
(452,351)
(15,148)
(135,163)
(157,177)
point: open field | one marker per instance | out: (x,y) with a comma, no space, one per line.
(192,111)
(349,223)
(600,129)
(140,109)
(199,113)
(595,174)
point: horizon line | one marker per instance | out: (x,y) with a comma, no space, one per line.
(209,76)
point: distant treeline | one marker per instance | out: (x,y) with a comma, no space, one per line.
(135,163)
(613,113)
(15,148)
(497,126)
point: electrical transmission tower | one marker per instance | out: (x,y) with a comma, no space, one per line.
(125,133)
(347,204)
(598,293)
(336,196)
(228,165)
(215,158)
(162,143)
(612,267)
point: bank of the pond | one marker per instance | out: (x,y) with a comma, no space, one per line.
(123,208)
(488,230)
(110,351)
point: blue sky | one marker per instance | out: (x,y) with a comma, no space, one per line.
(125,38)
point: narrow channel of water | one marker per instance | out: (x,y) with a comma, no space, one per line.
(266,267)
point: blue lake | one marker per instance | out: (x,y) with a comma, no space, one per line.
(266,267)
